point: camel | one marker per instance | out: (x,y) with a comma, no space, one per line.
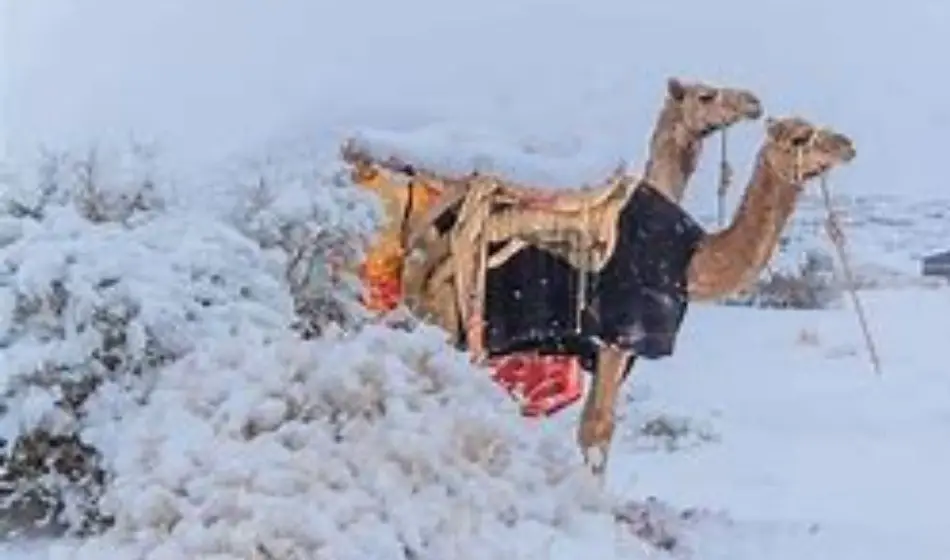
(557,291)
(691,113)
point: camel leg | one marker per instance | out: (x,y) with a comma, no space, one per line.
(597,417)
(628,367)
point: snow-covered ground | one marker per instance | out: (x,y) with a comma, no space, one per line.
(807,435)
(789,440)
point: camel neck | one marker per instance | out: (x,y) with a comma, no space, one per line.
(729,259)
(674,154)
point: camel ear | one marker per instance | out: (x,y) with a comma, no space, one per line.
(774,128)
(676,89)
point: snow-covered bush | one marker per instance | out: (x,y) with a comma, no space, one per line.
(106,276)
(304,204)
(812,285)
(67,324)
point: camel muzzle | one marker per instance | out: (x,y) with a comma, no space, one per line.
(753,106)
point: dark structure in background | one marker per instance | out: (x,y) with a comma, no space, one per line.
(937,265)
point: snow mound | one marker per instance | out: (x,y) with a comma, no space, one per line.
(450,150)
(380,444)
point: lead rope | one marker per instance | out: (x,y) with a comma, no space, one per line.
(725,179)
(836,234)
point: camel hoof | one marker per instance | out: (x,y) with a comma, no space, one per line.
(596,459)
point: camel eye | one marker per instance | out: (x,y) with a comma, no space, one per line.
(707,96)
(801,139)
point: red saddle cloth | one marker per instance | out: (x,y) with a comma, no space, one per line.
(543,385)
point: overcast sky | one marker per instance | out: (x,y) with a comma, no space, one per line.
(210,77)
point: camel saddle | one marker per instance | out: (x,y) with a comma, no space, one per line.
(493,221)
(573,201)
(578,225)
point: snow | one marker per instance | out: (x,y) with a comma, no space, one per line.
(809,454)
(808,434)
(792,443)
(329,450)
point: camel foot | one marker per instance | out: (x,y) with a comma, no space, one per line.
(594,437)
(595,458)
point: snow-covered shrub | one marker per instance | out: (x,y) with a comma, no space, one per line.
(100,287)
(812,285)
(671,433)
(380,444)
(304,204)
(117,187)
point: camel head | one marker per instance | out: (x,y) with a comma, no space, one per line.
(801,151)
(705,109)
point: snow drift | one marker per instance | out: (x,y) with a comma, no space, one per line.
(383,444)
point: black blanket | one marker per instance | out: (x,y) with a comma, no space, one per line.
(636,301)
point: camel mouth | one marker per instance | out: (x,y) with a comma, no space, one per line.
(754,112)
(846,147)
(842,148)
(752,107)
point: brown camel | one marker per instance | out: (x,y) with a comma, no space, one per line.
(794,152)
(691,113)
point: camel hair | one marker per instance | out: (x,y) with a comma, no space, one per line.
(794,152)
